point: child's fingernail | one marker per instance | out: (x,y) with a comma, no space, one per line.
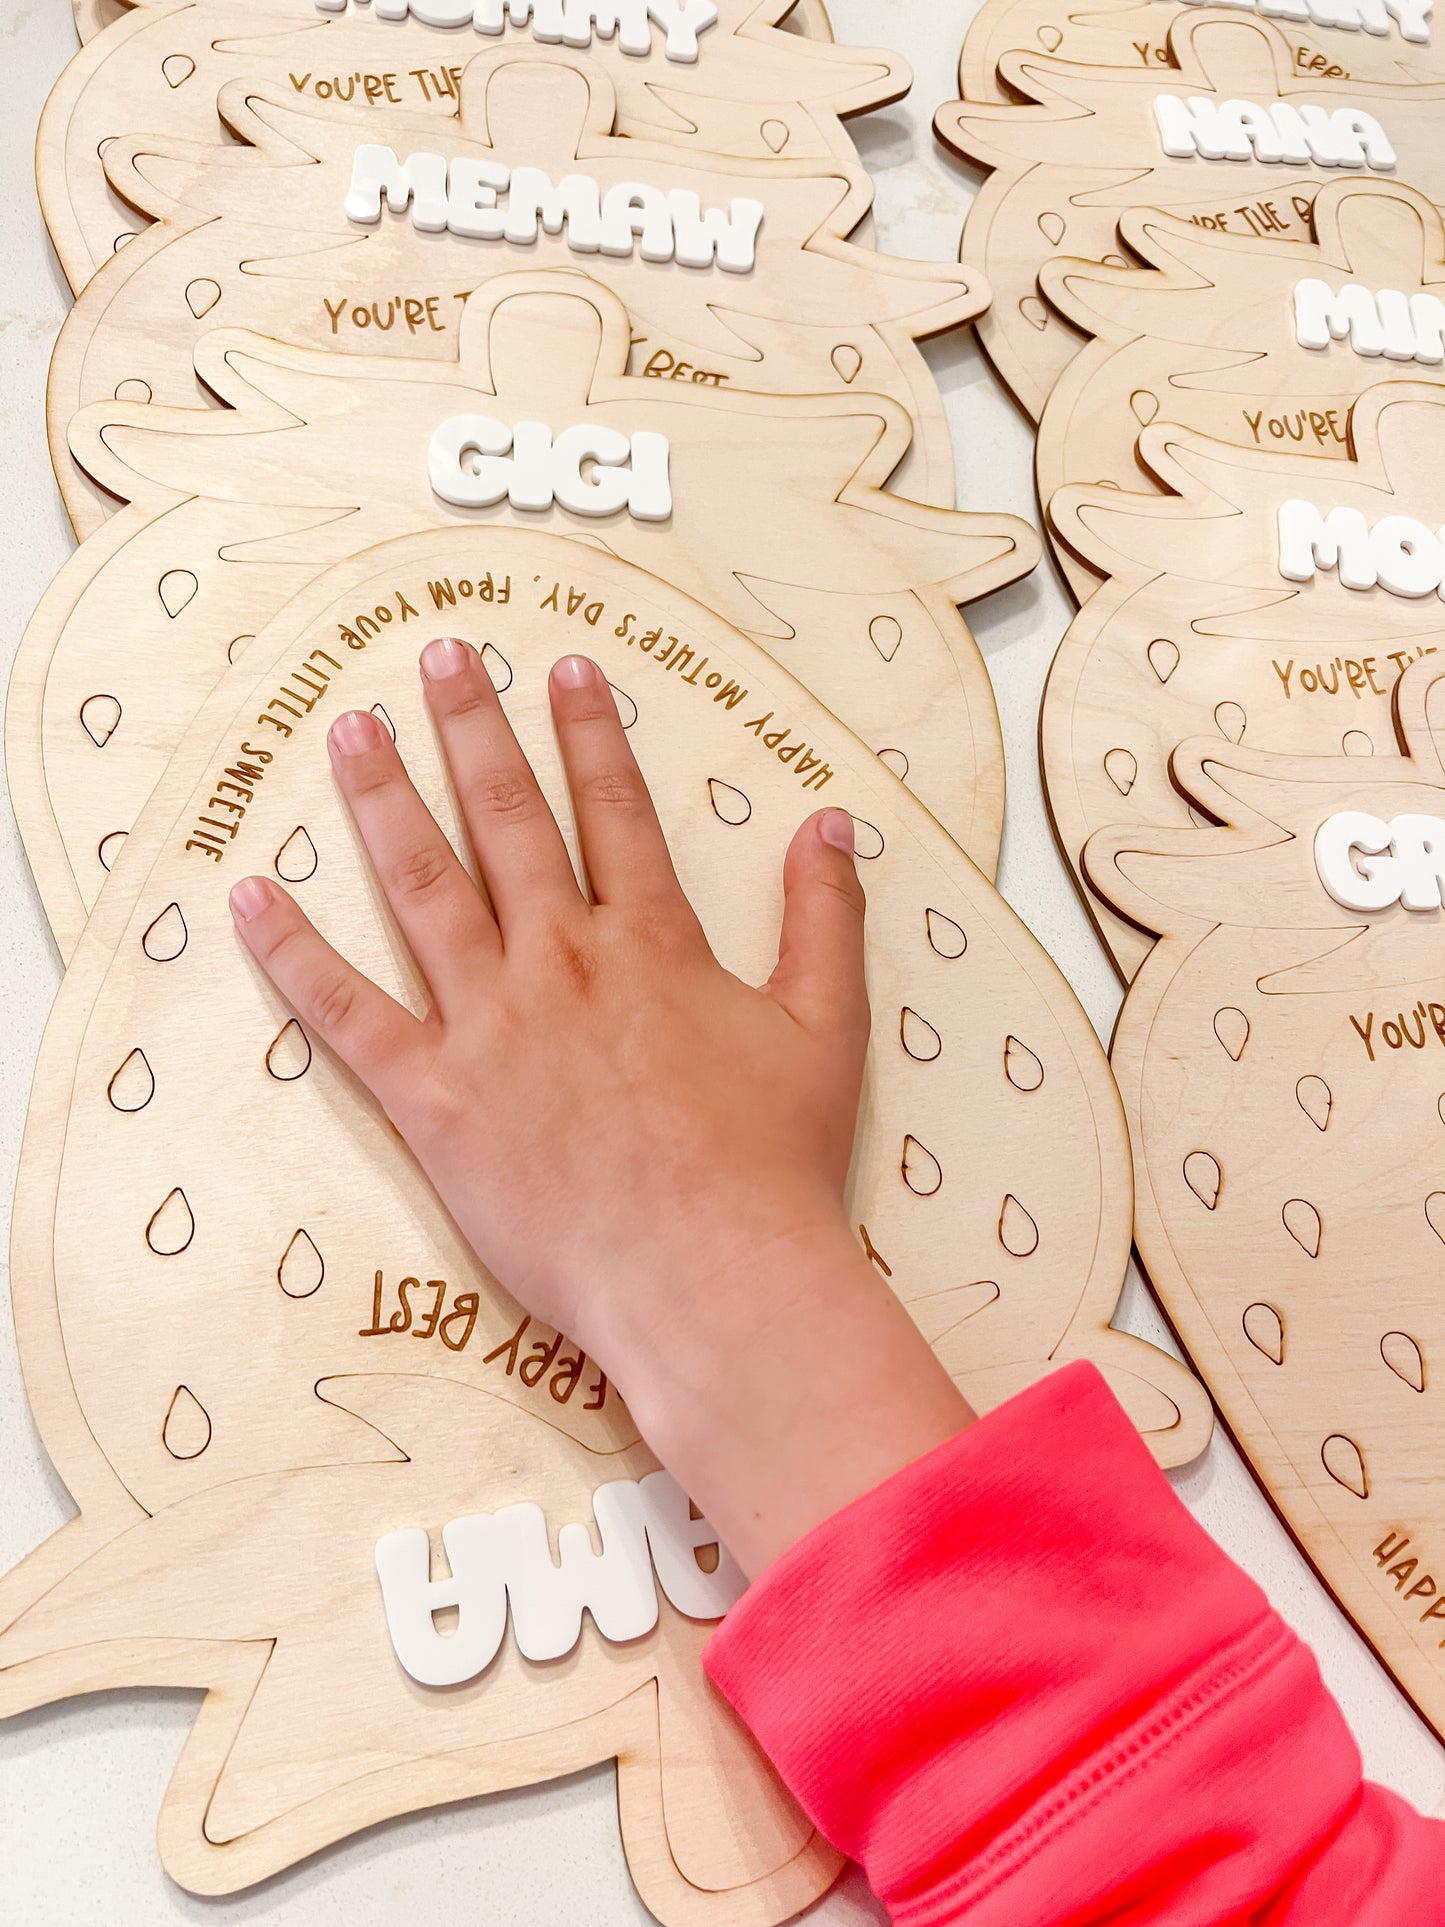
(249,898)
(355,733)
(444,657)
(573,672)
(836,829)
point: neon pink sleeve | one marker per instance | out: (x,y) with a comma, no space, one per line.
(1023,1688)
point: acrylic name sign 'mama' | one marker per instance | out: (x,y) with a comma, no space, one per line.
(1262,343)
(287,1358)
(816,314)
(1282,1059)
(1397,42)
(1065,169)
(1250,629)
(779,521)
(753,92)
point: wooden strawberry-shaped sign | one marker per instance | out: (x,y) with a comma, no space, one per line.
(715,76)
(1229,137)
(1282,1060)
(288,1369)
(1263,344)
(772,511)
(1270,600)
(1395,41)
(735,274)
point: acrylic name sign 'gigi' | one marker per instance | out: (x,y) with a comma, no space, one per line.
(753,91)
(779,521)
(1282,1060)
(1262,343)
(208,1392)
(1229,610)
(816,314)
(1394,41)
(1066,168)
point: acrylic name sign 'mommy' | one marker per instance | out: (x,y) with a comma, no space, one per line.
(1282,1059)
(1230,610)
(1266,344)
(577,23)
(778,520)
(815,315)
(1394,41)
(289,1355)
(1235,141)
(752,91)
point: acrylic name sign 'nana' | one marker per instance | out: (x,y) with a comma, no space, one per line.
(778,520)
(1282,1060)
(1234,140)
(1265,344)
(1394,41)
(1253,601)
(289,1355)
(753,91)
(816,313)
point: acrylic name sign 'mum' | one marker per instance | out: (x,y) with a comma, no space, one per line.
(752,91)
(1230,137)
(283,1362)
(778,520)
(1282,1060)
(1259,343)
(1393,41)
(282,235)
(1271,600)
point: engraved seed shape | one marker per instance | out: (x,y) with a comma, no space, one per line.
(379,711)
(1264,1328)
(237,647)
(1050,39)
(626,707)
(775,135)
(885,633)
(868,842)
(1316,1100)
(133,389)
(1034,312)
(176,588)
(201,296)
(177,69)
(1435,1210)
(1021,1067)
(895,760)
(302,1267)
(108,849)
(133,1085)
(1404,1358)
(99,717)
(187,1430)
(922,1172)
(497,667)
(172,1225)
(918,1037)
(1051,226)
(167,937)
(728,803)
(289,1054)
(1230,721)
(847,360)
(1302,1222)
(950,941)
(1121,767)
(1163,657)
(1355,742)
(1231,1027)
(1345,1464)
(1204,1177)
(1017,1232)
(1143,405)
(296,860)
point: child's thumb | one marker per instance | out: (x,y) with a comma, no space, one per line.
(820,977)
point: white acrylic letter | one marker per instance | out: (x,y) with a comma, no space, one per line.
(1406,556)
(1376,883)
(1309,541)
(727,237)
(411,1596)
(607,449)
(651,496)
(422,182)
(633,208)
(472,191)
(467,461)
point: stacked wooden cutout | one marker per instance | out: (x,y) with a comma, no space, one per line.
(543,328)
(1218,260)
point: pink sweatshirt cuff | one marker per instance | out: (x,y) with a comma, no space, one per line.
(1020,1684)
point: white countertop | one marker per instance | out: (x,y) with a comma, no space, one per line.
(80,1784)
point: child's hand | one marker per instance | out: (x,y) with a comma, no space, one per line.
(647,1153)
